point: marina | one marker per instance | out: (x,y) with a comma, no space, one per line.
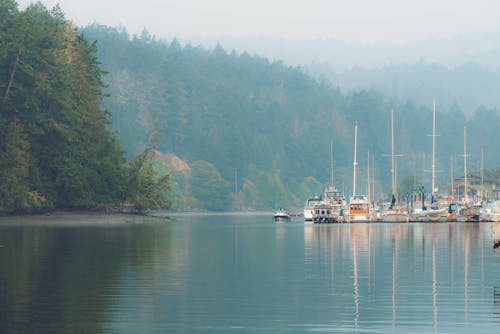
(419,206)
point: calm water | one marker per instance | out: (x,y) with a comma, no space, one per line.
(245,274)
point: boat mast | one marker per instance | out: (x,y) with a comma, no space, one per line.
(331,163)
(368,190)
(433,178)
(452,179)
(393,169)
(355,158)
(373,176)
(466,195)
(482,175)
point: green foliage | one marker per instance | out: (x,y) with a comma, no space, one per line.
(310,186)
(208,187)
(14,167)
(55,147)
(406,186)
(250,194)
(148,182)
(245,112)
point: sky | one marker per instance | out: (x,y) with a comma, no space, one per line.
(353,21)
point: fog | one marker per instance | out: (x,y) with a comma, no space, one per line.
(354,21)
(333,39)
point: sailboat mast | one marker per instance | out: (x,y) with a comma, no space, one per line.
(433,147)
(466,196)
(355,159)
(373,176)
(393,168)
(368,190)
(482,174)
(331,163)
(452,179)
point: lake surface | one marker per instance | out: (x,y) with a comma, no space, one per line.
(245,274)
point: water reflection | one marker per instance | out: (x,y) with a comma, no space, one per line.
(426,265)
(496,235)
(60,278)
(247,274)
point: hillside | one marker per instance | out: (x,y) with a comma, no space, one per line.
(56,150)
(467,85)
(267,124)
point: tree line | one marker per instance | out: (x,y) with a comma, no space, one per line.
(254,132)
(56,150)
(262,128)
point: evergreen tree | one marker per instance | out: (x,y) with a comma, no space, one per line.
(208,187)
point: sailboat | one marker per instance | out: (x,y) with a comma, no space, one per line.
(467,212)
(432,213)
(359,206)
(395,213)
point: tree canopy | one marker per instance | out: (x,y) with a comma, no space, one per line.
(243,112)
(55,146)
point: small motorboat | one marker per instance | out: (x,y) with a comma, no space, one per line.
(281,215)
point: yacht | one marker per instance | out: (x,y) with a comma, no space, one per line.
(309,207)
(359,209)
(331,208)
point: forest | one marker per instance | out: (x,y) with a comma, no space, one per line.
(262,129)
(94,117)
(56,150)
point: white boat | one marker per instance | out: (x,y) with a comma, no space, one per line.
(281,215)
(394,213)
(309,207)
(432,214)
(331,208)
(325,214)
(491,212)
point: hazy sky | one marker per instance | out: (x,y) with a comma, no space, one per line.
(358,21)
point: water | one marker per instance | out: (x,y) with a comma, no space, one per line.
(245,274)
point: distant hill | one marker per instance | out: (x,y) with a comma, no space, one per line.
(468,85)
(266,126)
(464,69)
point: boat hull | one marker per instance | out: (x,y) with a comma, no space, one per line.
(308,215)
(395,217)
(359,218)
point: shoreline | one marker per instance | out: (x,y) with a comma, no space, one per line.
(77,218)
